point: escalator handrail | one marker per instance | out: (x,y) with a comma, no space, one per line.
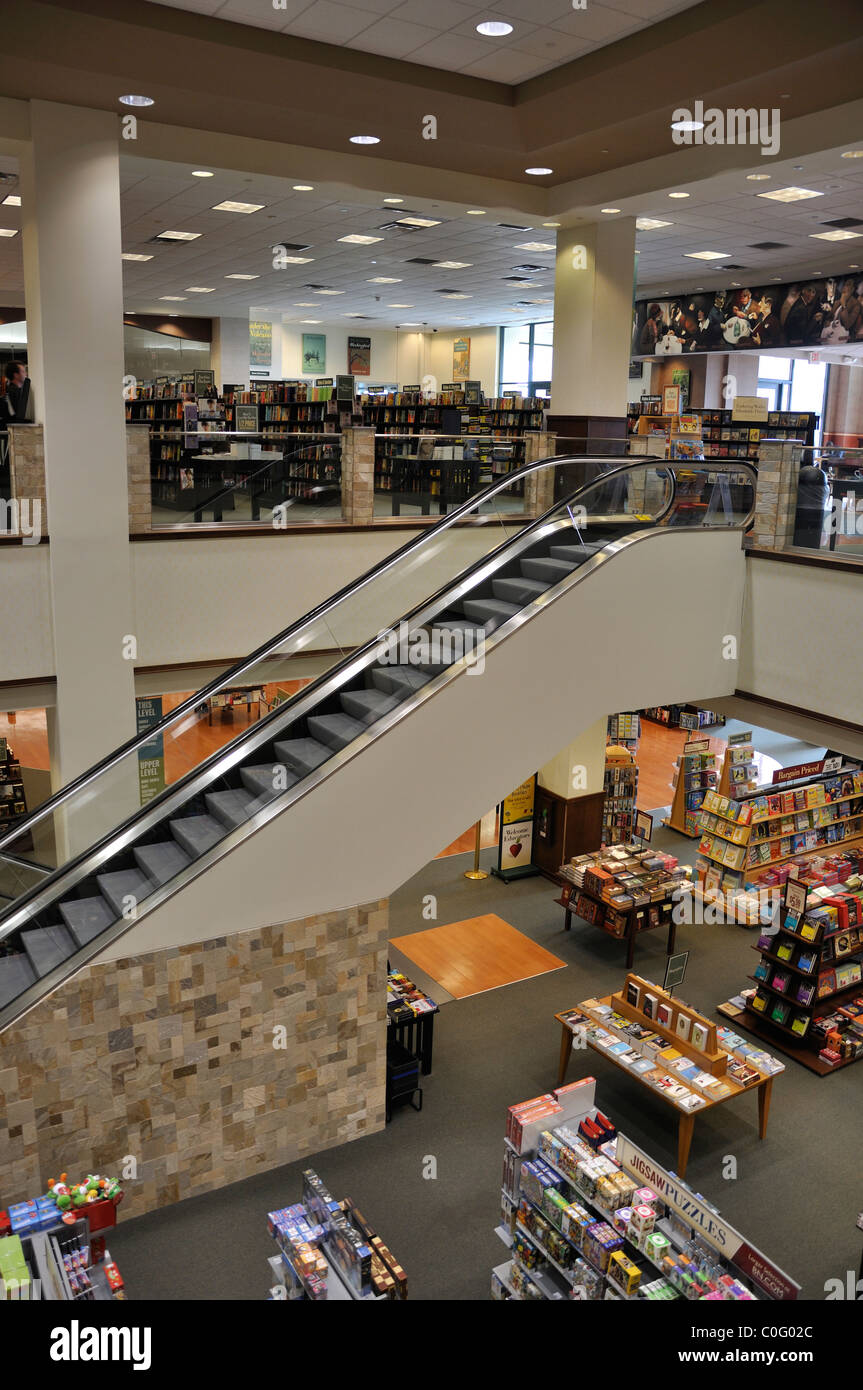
(314,614)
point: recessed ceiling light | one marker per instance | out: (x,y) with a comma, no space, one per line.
(8,231)
(452,265)
(134,256)
(551,224)
(384,280)
(735,284)
(494,28)
(853,266)
(539,170)
(173,298)
(178,236)
(356,239)
(609,210)
(365,140)
(534,246)
(393,202)
(418,222)
(457,295)
(309,320)
(329,291)
(687,125)
(242,277)
(475,212)
(303,187)
(295,260)
(136,101)
(837,235)
(852,154)
(789,195)
(351,315)
(412,324)
(707,255)
(757,178)
(649,224)
(229,206)
(200,289)
(202,174)
(12,201)
(678,195)
(400,306)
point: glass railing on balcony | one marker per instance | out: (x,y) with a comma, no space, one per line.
(826,504)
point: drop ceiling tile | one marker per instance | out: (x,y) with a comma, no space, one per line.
(443,14)
(453,51)
(552,45)
(262,16)
(198,6)
(393,37)
(507,66)
(331,23)
(597,24)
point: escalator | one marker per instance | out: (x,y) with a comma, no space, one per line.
(398,637)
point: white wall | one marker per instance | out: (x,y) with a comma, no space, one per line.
(483,355)
(801,638)
(276,370)
(323,855)
(385,354)
(26,642)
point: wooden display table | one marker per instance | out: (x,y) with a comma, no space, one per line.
(711,1059)
(635,919)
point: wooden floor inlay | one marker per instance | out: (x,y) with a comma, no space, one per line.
(477,954)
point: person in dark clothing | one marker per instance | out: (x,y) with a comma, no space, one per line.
(800,320)
(813,495)
(16,396)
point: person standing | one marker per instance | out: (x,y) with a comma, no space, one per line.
(16,397)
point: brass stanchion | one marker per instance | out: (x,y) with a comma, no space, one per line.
(476,871)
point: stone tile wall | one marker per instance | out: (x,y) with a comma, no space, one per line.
(358,475)
(169,1058)
(27,465)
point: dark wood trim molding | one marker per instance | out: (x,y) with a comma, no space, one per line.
(828,561)
(800,710)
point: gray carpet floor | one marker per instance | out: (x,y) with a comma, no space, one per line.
(796,1195)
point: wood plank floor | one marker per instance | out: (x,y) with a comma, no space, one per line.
(476,954)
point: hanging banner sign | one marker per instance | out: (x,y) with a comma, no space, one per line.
(151,755)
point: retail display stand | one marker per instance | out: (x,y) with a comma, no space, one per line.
(671,1049)
(807,996)
(13,803)
(624,730)
(411,1016)
(621,792)
(623,890)
(739,776)
(695,775)
(328,1251)
(689,717)
(588,1216)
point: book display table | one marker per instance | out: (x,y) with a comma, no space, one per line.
(411,1016)
(671,1050)
(623,890)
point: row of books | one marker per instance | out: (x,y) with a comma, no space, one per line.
(770,850)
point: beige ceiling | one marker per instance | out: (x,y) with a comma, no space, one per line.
(443,34)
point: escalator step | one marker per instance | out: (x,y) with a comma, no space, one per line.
(161,862)
(86,917)
(367,705)
(47,947)
(576,553)
(335,730)
(550,571)
(16,973)
(476,630)
(233,807)
(268,779)
(197,834)
(125,884)
(520,591)
(400,680)
(491,612)
(302,755)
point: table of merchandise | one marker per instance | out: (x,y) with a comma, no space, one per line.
(241,695)
(686,1119)
(411,1015)
(631,912)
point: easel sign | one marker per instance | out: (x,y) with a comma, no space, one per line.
(675,971)
(643,827)
(515,833)
(793,903)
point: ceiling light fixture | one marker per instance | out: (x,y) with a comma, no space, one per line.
(242,277)
(609,211)
(452,265)
(356,239)
(534,246)
(365,140)
(303,187)
(173,298)
(837,235)
(678,195)
(329,291)
(12,201)
(134,256)
(200,289)
(418,222)
(201,174)
(475,212)
(707,255)
(539,170)
(400,306)
(309,320)
(8,231)
(551,224)
(649,224)
(494,28)
(136,101)
(687,125)
(757,178)
(229,206)
(789,195)
(178,236)
(393,201)
(852,154)
(295,260)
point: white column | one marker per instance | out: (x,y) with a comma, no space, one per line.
(229,350)
(70,194)
(593,292)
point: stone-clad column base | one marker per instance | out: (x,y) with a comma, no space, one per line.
(358,475)
(205,1064)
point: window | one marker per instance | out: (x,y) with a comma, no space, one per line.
(793,383)
(525,358)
